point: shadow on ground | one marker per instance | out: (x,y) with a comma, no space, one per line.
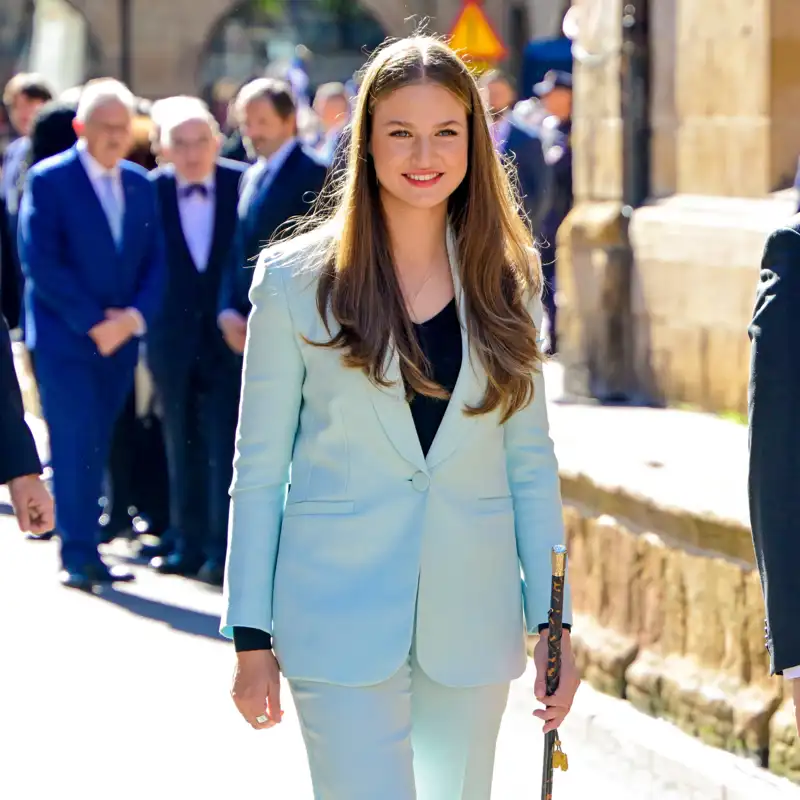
(186,620)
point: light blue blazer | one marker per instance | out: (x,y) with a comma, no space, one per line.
(376,543)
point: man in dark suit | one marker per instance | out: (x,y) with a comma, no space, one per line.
(90,244)
(774,481)
(19,464)
(196,374)
(522,145)
(281,185)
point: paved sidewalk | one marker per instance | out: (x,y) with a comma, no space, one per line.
(679,459)
(133,683)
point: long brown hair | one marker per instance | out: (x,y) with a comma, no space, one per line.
(498,265)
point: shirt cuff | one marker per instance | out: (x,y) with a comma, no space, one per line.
(141,325)
(793,673)
(545,625)
(247,639)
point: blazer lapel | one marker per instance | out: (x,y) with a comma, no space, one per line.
(221,203)
(470,385)
(130,221)
(394,413)
(172,218)
(393,409)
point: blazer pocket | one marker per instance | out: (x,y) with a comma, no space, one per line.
(495,505)
(308,507)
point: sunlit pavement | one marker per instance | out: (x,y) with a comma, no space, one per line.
(125,695)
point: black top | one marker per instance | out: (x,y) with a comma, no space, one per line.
(440,340)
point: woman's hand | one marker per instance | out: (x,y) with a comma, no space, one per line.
(257,688)
(557,706)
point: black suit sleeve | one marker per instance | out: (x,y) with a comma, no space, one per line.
(774,417)
(17,449)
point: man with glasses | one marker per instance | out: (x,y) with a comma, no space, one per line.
(91,250)
(195,372)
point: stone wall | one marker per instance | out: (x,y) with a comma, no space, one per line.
(655,308)
(169,37)
(674,622)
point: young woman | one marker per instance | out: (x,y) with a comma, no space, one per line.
(392,361)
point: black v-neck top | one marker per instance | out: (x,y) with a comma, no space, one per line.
(440,341)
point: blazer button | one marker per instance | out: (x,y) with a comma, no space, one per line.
(420,481)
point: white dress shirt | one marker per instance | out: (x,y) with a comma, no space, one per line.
(98,174)
(197,213)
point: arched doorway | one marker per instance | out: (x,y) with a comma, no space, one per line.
(253,40)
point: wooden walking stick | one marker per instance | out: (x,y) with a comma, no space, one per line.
(554,756)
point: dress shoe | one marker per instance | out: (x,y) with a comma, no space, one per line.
(108,534)
(212,572)
(164,548)
(90,575)
(177,564)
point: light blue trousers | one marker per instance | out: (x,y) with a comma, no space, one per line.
(408,738)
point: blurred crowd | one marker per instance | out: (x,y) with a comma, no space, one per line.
(180,198)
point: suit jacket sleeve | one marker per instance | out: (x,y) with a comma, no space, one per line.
(54,282)
(18,455)
(535,489)
(150,293)
(268,418)
(774,417)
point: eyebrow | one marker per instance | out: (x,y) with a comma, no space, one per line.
(403,124)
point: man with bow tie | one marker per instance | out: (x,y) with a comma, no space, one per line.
(196,374)
(92,253)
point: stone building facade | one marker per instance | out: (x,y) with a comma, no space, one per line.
(656,306)
(170,40)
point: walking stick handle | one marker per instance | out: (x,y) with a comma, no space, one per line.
(553,755)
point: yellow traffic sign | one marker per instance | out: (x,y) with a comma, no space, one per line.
(473,35)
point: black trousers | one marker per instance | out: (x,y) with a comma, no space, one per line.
(137,480)
(200,403)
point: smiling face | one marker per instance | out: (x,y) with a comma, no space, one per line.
(419,145)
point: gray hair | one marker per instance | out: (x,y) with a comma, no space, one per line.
(178,110)
(99,93)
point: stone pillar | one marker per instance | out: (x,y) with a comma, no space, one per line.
(724,91)
(737,90)
(594,260)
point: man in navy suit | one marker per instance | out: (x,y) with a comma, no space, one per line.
(521,144)
(281,185)
(196,374)
(91,248)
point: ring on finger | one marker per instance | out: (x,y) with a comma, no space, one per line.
(263,718)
